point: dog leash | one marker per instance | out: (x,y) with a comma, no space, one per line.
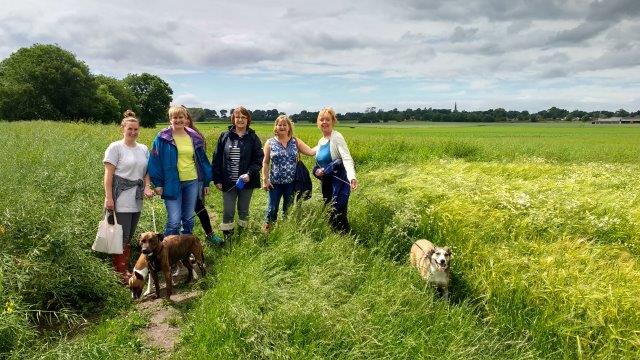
(366,198)
(153,214)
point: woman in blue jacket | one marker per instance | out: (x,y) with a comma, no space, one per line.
(178,161)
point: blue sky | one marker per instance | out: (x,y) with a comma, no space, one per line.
(304,55)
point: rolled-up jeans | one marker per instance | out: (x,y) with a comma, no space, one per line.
(230,199)
(180,211)
(277,192)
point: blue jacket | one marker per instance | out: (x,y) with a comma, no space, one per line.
(163,162)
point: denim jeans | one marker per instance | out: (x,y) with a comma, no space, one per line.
(181,210)
(278,191)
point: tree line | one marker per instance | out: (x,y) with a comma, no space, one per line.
(48,82)
(373,115)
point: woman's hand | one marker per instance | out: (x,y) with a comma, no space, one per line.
(245,177)
(159,190)
(148,192)
(219,186)
(319,172)
(267,185)
(108,203)
(206,191)
(354,184)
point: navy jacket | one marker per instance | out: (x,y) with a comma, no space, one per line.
(340,186)
(163,162)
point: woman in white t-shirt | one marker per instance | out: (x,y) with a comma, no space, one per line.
(125,182)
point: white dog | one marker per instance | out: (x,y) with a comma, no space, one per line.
(433,263)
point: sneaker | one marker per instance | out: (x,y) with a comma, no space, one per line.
(214,239)
(265,228)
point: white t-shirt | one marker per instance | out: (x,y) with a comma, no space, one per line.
(131,164)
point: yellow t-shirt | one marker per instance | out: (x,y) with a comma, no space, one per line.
(186,165)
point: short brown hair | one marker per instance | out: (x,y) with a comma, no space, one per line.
(244,112)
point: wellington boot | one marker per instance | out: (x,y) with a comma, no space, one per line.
(126,256)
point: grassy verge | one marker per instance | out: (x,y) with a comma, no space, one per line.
(305,292)
(543,249)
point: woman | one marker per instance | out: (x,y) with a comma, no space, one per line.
(236,169)
(125,181)
(334,167)
(178,163)
(281,151)
(200,209)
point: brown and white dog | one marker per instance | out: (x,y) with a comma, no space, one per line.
(433,263)
(162,252)
(139,276)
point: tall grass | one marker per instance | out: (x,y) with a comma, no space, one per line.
(305,292)
(544,249)
(543,218)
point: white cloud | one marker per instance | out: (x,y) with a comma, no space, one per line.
(487,44)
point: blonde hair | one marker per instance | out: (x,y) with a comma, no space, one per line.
(129,116)
(178,110)
(289,122)
(332,115)
(244,112)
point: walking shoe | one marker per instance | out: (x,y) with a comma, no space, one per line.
(214,239)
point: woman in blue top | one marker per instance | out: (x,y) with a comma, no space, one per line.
(334,167)
(281,152)
(177,163)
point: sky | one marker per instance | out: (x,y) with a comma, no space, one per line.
(353,55)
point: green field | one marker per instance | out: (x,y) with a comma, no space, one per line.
(544,221)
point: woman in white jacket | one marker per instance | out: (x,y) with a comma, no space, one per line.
(335,168)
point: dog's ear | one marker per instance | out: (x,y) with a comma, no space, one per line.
(447,251)
(160,237)
(429,254)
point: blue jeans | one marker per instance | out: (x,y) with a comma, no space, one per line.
(180,210)
(279,191)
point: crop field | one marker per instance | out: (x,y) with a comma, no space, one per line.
(543,219)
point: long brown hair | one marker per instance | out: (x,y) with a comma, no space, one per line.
(192,125)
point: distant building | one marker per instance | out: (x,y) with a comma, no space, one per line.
(617,120)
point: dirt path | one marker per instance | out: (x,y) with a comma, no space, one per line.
(163,330)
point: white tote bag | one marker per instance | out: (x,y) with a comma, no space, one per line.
(109,237)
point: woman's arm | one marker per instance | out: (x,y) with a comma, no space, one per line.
(304,148)
(266,184)
(148,191)
(109,170)
(345,155)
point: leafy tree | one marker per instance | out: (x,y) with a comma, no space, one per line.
(210,114)
(223,113)
(107,107)
(119,90)
(196,113)
(46,82)
(622,113)
(153,96)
